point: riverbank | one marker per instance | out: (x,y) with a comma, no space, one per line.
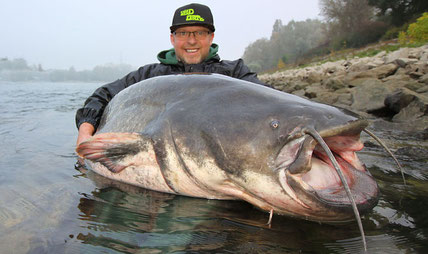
(392,86)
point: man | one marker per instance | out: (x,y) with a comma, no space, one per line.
(192,34)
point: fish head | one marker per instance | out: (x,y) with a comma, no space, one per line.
(272,162)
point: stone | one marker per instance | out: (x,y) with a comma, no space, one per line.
(424,79)
(362,81)
(326,97)
(415,86)
(394,55)
(381,54)
(369,95)
(410,113)
(403,62)
(415,112)
(398,100)
(314,77)
(334,83)
(375,63)
(344,99)
(393,85)
(384,71)
(379,72)
(313,90)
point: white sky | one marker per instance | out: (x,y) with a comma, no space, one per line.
(86,33)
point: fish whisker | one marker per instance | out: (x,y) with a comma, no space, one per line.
(330,155)
(371,134)
(270,218)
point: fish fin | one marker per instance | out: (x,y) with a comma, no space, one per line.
(112,149)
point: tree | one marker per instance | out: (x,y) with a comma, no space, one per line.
(400,11)
(258,55)
(351,22)
(346,16)
(286,44)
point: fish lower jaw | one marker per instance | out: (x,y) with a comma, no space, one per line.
(323,176)
(322,183)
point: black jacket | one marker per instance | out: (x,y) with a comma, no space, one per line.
(94,106)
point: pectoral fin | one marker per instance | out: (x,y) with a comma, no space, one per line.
(113,150)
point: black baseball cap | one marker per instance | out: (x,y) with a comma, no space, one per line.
(193,15)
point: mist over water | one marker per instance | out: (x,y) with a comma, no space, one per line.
(47,206)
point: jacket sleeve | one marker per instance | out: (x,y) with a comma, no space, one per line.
(94,106)
(241,71)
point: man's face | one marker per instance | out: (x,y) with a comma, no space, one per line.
(191,50)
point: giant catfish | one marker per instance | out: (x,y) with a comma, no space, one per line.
(217,137)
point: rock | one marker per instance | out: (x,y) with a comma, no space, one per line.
(421,67)
(359,65)
(402,81)
(413,112)
(313,90)
(393,56)
(424,56)
(362,81)
(326,97)
(423,90)
(424,79)
(416,110)
(333,67)
(314,77)
(369,95)
(300,93)
(416,53)
(384,71)
(375,63)
(398,100)
(334,83)
(379,72)
(415,87)
(389,85)
(381,55)
(403,62)
(344,99)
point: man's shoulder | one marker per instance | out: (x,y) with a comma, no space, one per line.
(153,67)
(233,64)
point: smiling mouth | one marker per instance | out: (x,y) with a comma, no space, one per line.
(304,167)
(191,50)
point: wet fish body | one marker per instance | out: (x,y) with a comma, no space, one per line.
(216,137)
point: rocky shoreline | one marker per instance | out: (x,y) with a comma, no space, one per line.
(390,86)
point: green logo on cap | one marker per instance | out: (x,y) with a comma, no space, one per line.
(187,12)
(189,15)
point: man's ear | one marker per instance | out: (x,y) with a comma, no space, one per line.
(171,37)
(211,38)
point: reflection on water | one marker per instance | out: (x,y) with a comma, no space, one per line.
(47,206)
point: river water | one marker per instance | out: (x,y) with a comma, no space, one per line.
(47,206)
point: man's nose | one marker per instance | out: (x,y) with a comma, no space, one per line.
(191,38)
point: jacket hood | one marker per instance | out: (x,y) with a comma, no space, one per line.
(168,56)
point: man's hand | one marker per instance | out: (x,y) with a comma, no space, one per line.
(86,130)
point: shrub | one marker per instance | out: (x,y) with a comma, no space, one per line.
(418,31)
(393,32)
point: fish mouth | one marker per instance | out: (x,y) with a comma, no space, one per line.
(307,174)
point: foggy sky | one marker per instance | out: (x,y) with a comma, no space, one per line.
(85,33)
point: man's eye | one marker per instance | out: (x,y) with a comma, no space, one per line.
(182,33)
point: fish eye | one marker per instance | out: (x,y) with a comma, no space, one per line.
(274,124)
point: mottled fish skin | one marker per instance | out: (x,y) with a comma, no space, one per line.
(217,137)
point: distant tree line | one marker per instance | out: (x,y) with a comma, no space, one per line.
(19,70)
(346,24)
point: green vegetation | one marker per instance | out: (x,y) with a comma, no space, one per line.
(350,28)
(417,32)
